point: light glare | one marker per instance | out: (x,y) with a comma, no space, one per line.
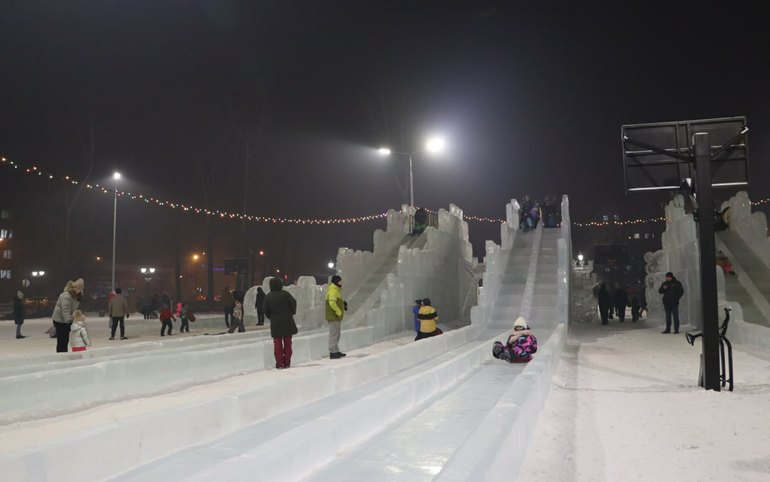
(384,151)
(435,144)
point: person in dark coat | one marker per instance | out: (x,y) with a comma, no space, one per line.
(672,291)
(605,303)
(280,308)
(260,306)
(18,313)
(620,301)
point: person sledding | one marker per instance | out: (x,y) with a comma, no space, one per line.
(521,345)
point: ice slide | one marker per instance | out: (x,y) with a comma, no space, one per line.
(751,285)
(441,410)
(307,415)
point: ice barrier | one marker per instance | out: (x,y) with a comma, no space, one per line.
(680,254)
(381,285)
(751,227)
(141,439)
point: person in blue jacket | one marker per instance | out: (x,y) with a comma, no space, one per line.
(416,312)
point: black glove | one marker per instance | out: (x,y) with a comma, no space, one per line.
(346,305)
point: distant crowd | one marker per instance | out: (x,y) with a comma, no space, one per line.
(532,212)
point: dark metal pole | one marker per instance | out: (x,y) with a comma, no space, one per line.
(708,275)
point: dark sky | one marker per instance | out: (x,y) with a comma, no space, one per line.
(529,95)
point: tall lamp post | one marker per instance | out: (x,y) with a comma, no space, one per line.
(147,272)
(434,145)
(38,274)
(116,176)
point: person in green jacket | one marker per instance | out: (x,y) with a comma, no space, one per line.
(335,310)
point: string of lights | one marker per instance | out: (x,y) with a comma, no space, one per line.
(34,170)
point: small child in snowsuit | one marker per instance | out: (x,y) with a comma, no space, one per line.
(79,338)
(166,316)
(520,347)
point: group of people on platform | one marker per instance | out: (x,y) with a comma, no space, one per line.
(532,212)
(618,300)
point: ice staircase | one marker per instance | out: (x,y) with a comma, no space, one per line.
(438,409)
(368,293)
(751,285)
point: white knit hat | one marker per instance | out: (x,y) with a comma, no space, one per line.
(521,322)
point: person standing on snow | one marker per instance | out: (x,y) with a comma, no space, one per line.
(280,308)
(79,338)
(335,309)
(672,291)
(259,304)
(228,304)
(18,313)
(63,313)
(118,311)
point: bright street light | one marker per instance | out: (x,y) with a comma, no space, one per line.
(116,176)
(433,145)
(147,272)
(36,274)
(581,257)
(330,264)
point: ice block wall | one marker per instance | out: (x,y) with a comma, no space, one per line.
(751,227)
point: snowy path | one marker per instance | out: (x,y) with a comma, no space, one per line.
(625,405)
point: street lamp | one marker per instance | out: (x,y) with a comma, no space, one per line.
(115,176)
(330,264)
(38,274)
(147,272)
(433,145)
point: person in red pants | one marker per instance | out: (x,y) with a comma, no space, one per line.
(280,308)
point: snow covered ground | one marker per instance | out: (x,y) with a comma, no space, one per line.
(625,405)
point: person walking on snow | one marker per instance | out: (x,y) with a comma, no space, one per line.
(18,313)
(166,317)
(118,311)
(672,292)
(335,309)
(280,308)
(79,338)
(228,304)
(620,300)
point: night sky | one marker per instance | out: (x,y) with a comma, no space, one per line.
(530,97)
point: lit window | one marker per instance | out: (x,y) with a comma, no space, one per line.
(6,234)
(5,214)
(7,254)
(5,274)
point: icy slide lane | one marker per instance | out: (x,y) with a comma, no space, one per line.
(413,423)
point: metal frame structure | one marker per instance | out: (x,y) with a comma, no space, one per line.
(641,154)
(693,147)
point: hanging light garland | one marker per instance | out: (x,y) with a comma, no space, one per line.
(34,170)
